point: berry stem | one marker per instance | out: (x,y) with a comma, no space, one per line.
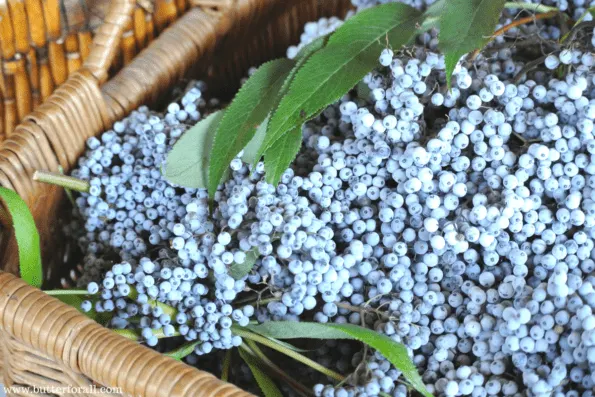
(255,350)
(288,352)
(65,181)
(363,310)
(56,292)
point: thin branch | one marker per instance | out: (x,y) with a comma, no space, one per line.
(67,182)
(523,21)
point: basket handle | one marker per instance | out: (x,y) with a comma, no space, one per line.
(59,332)
(107,38)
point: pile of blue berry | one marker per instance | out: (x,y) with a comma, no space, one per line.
(459,222)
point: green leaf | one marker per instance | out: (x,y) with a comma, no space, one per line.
(466,25)
(395,352)
(279,156)
(266,384)
(182,351)
(72,300)
(75,300)
(311,48)
(251,151)
(239,270)
(301,58)
(187,162)
(352,51)
(26,236)
(287,345)
(248,109)
(431,17)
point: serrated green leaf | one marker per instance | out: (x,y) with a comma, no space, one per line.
(182,351)
(435,9)
(280,155)
(352,51)
(431,17)
(248,109)
(466,25)
(187,162)
(395,352)
(301,58)
(26,236)
(266,384)
(251,151)
(239,270)
(312,47)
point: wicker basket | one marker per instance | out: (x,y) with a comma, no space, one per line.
(43,342)
(42,42)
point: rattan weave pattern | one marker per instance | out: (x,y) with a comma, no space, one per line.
(42,341)
(42,42)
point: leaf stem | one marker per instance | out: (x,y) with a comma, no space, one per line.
(133,335)
(56,292)
(255,350)
(65,181)
(67,190)
(529,7)
(226,366)
(182,351)
(295,355)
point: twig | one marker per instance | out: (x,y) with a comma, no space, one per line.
(364,309)
(65,181)
(523,21)
(513,25)
(56,292)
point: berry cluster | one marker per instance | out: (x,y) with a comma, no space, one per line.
(459,222)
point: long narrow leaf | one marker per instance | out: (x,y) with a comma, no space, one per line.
(183,350)
(249,108)
(466,25)
(26,236)
(395,352)
(255,150)
(266,384)
(279,156)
